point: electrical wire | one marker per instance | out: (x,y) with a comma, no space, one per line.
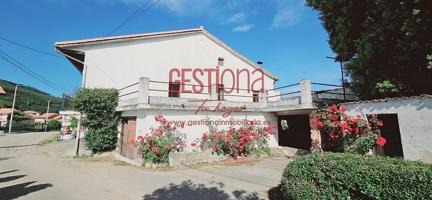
(134,15)
(28,71)
(30,48)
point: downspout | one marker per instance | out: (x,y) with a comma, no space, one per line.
(83,84)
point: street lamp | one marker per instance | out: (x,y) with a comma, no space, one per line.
(336,59)
(13,108)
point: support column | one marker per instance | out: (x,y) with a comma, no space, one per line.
(306,93)
(143,90)
(213,93)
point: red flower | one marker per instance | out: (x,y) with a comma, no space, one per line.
(335,117)
(141,139)
(381,141)
(356,130)
(193,144)
(320,124)
(155,150)
(379,124)
(313,121)
(204,136)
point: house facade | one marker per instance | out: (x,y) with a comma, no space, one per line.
(50,116)
(190,77)
(407,124)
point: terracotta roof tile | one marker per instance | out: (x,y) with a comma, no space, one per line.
(4,111)
(2,91)
(388,99)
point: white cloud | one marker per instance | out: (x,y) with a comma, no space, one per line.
(288,14)
(236,18)
(243,28)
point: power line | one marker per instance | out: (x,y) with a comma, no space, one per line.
(28,71)
(134,15)
(30,48)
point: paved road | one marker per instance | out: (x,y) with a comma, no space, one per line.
(32,171)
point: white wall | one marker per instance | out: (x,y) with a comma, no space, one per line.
(145,120)
(415,123)
(115,65)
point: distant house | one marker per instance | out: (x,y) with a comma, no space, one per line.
(4,116)
(43,117)
(67,117)
(2,91)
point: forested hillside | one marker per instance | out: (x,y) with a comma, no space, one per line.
(28,98)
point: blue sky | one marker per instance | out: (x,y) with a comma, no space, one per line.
(286,35)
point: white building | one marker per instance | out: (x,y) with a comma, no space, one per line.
(140,67)
(407,124)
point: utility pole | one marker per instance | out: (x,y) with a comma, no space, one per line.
(13,108)
(342,74)
(46,117)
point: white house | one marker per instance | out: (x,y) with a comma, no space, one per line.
(407,124)
(172,74)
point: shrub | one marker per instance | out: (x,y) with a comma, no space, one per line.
(352,176)
(344,133)
(236,142)
(156,146)
(38,126)
(101,119)
(54,125)
(73,122)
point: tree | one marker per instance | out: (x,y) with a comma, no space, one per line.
(19,117)
(386,45)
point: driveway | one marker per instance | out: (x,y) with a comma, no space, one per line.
(32,171)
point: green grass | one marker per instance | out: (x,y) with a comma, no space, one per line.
(52,139)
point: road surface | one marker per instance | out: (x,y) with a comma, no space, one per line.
(29,170)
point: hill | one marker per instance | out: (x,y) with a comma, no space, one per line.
(28,98)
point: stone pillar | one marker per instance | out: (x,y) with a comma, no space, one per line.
(316,138)
(213,93)
(263,96)
(306,93)
(143,90)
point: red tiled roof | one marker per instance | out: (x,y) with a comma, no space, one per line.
(43,116)
(2,91)
(4,111)
(388,99)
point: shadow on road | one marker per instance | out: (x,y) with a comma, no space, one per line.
(10,171)
(10,178)
(20,189)
(275,193)
(5,158)
(188,190)
(17,146)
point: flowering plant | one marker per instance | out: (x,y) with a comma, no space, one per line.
(344,133)
(236,142)
(163,140)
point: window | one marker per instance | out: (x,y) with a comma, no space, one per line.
(255,96)
(220,92)
(174,89)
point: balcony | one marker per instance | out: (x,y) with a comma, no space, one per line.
(151,94)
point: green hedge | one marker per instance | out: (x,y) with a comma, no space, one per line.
(350,176)
(101,119)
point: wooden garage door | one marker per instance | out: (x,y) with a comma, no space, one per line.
(128,138)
